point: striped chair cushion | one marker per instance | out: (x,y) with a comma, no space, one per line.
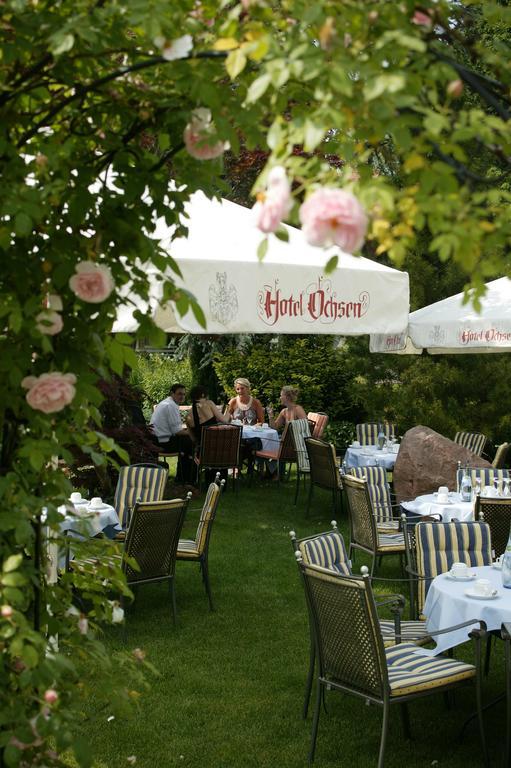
(187,548)
(379,492)
(474,441)
(391,542)
(367,434)
(485,474)
(320,420)
(412,672)
(439,545)
(411,632)
(207,514)
(138,484)
(300,430)
(326,551)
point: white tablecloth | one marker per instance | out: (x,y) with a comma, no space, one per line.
(89,521)
(428,505)
(447,605)
(369,456)
(268,436)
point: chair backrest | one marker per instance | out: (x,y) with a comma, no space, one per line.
(439,545)
(485,474)
(497,514)
(499,460)
(152,539)
(327,550)
(138,482)
(220,446)
(379,490)
(208,515)
(299,431)
(360,512)
(408,526)
(367,434)
(324,471)
(474,441)
(346,630)
(286,451)
(320,420)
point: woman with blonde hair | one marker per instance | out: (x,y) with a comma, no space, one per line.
(244,407)
(291,410)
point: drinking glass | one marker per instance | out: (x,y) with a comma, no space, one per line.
(496,486)
(250,420)
(506,486)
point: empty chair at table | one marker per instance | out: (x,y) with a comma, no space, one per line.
(367,433)
(352,657)
(501,454)
(324,471)
(381,497)
(283,454)
(364,532)
(474,441)
(485,475)
(152,541)
(138,482)
(220,450)
(497,514)
(300,430)
(318,423)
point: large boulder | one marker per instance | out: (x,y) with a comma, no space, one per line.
(427,460)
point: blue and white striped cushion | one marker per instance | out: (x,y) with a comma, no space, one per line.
(326,551)
(138,484)
(410,671)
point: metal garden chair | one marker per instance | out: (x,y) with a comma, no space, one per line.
(324,471)
(497,513)
(220,449)
(352,658)
(318,421)
(474,441)
(381,497)
(197,550)
(485,475)
(152,541)
(367,433)
(285,452)
(300,430)
(363,519)
(138,482)
(501,454)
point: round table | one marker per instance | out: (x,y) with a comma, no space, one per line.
(269,437)
(455,508)
(89,521)
(447,604)
(370,456)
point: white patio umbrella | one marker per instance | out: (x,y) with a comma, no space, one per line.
(287,292)
(452,327)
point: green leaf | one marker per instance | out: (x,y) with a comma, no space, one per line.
(235,63)
(313,135)
(199,314)
(331,264)
(14,579)
(12,563)
(258,87)
(282,234)
(22,224)
(61,42)
(384,84)
(262,249)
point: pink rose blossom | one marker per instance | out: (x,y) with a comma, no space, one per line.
(92,282)
(53,301)
(333,217)
(273,205)
(455,88)
(49,322)
(198,136)
(6,611)
(51,696)
(422,19)
(50,392)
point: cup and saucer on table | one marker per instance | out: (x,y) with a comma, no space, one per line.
(498,563)
(460,572)
(482,589)
(96,504)
(76,498)
(442,495)
(355,444)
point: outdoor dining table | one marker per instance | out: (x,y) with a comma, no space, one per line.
(370,456)
(447,604)
(269,437)
(453,509)
(89,520)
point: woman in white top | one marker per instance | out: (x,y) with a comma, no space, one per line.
(245,407)
(291,410)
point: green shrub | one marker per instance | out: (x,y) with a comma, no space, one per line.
(340,433)
(155,374)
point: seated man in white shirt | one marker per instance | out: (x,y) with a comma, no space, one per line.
(171,435)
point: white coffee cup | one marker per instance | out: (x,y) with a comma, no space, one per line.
(264,425)
(76,497)
(443,494)
(483,587)
(355,444)
(459,570)
(96,502)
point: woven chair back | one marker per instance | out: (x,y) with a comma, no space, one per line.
(207,517)
(286,450)
(319,420)
(152,539)
(346,630)
(474,441)
(500,458)
(220,446)
(138,482)
(324,471)
(326,550)
(439,545)
(367,434)
(486,475)
(379,490)
(299,431)
(360,513)
(497,514)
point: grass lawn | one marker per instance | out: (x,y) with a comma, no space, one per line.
(231,682)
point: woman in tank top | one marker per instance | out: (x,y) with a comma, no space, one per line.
(245,407)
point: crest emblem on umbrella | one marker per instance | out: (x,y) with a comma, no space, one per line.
(436,336)
(223,300)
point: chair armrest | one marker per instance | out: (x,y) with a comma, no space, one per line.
(505,631)
(396,599)
(481,631)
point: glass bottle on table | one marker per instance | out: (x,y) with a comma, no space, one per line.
(506,565)
(466,486)
(381,439)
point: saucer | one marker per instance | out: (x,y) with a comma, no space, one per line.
(492,596)
(442,503)
(497,566)
(99,508)
(469,577)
